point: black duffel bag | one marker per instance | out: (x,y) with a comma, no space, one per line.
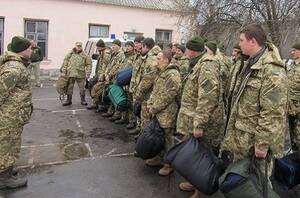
(196,162)
(90,83)
(151,141)
(287,170)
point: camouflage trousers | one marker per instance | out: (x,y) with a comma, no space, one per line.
(169,141)
(10,146)
(295,130)
(80,83)
(145,115)
(97,92)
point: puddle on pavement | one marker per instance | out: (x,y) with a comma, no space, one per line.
(71,135)
(102,133)
(74,151)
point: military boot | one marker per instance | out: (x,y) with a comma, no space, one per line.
(101,108)
(68,101)
(198,194)
(10,179)
(92,106)
(186,186)
(165,170)
(154,162)
(82,97)
(121,121)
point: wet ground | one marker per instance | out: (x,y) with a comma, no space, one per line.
(70,152)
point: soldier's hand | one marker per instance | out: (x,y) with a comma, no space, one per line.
(198,133)
(260,154)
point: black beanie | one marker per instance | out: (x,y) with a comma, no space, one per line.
(19,44)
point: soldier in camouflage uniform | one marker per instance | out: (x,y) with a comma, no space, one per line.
(102,63)
(294,96)
(181,60)
(146,76)
(257,112)
(202,107)
(36,59)
(15,108)
(117,58)
(77,66)
(133,82)
(165,106)
(127,116)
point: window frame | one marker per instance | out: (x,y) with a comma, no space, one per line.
(2,36)
(163,30)
(99,25)
(26,20)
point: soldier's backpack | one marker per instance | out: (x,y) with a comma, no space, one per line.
(62,86)
(123,76)
(118,97)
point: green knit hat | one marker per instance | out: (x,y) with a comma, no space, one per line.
(212,46)
(9,47)
(100,43)
(19,44)
(139,39)
(117,42)
(129,43)
(297,45)
(196,44)
(181,47)
(237,46)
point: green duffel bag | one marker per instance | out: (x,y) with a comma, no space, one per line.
(118,97)
(244,179)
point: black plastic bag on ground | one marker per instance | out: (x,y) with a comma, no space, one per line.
(151,141)
(195,161)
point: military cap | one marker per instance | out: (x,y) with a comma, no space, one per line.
(117,42)
(129,43)
(181,47)
(100,43)
(78,44)
(297,45)
(237,46)
(212,46)
(19,44)
(139,39)
(196,44)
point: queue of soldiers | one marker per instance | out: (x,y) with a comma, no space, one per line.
(192,89)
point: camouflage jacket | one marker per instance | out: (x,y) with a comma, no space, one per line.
(15,89)
(202,104)
(136,73)
(258,106)
(146,75)
(77,65)
(183,65)
(129,60)
(162,102)
(294,88)
(102,63)
(116,60)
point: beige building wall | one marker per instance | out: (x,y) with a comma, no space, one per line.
(68,22)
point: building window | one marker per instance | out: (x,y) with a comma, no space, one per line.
(38,31)
(1,34)
(132,35)
(98,31)
(163,36)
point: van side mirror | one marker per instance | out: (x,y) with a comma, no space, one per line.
(95,56)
